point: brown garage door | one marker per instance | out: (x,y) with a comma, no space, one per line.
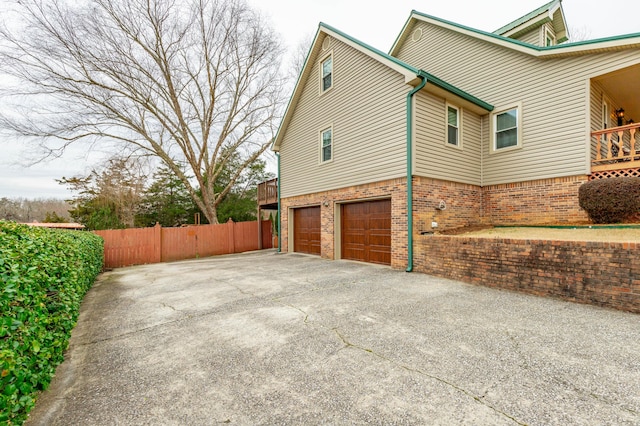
(306,230)
(366,231)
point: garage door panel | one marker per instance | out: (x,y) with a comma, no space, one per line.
(306,232)
(379,240)
(355,238)
(366,231)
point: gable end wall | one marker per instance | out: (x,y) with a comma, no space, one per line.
(366,110)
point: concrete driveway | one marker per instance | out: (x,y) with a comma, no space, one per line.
(266,338)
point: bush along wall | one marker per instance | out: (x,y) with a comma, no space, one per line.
(44,275)
(611,200)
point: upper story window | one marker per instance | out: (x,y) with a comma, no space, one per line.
(326,145)
(507,128)
(453,125)
(549,38)
(327,73)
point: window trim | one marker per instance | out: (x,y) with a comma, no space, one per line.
(548,34)
(321,73)
(459,114)
(321,137)
(493,124)
(605,117)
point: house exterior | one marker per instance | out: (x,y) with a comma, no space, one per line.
(457,126)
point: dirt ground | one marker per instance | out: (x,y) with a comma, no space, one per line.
(595,233)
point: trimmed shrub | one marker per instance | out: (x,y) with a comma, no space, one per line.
(44,275)
(611,200)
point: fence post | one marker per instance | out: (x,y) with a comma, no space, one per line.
(259,229)
(231,226)
(157,242)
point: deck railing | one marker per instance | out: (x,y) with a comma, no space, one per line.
(268,192)
(617,148)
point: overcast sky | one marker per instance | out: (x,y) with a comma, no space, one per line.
(376,26)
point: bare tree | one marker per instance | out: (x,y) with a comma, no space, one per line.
(299,56)
(582,33)
(190,82)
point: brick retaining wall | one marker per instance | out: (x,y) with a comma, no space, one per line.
(598,273)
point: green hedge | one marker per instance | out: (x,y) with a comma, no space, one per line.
(611,200)
(44,275)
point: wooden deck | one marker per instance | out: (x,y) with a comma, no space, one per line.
(268,193)
(617,148)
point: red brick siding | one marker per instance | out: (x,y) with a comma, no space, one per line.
(394,189)
(534,202)
(463,204)
(599,273)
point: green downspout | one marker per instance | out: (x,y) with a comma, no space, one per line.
(279,213)
(410,169)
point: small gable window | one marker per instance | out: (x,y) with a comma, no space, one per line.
(453,125)
(327,144)
(506,125)
(549,39)
(327,73)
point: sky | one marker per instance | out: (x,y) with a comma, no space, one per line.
(298,20)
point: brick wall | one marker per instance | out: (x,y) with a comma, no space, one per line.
(599,273)
(534,202)
(463,204)
(394,189)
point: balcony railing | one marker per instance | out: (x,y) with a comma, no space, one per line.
(617,148)
(268,192)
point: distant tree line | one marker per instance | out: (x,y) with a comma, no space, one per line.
(39,209)
(121,194)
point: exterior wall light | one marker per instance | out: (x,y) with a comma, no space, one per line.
(620,116)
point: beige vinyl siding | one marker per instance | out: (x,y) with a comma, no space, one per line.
(532,37)
(434,158)
(366,110)
(553,93)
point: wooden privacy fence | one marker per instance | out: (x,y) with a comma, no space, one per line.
(138,246)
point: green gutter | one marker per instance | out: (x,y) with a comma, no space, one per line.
(279,212)
(458,92)
(415,90)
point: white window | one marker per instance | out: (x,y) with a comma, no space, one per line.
(549,38)
(453,125)
(326,147)
(507,128)
(326,76)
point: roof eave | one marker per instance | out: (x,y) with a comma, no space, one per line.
(627,41)
(505,30)
(275,145)
(410,73)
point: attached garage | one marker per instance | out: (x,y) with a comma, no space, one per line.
(306,230)
(366,231)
